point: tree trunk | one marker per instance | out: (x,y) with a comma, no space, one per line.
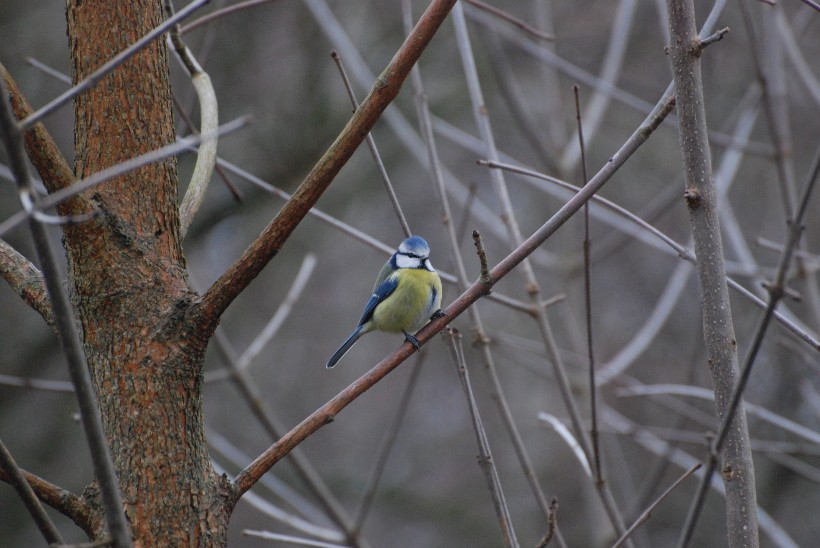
(130,288)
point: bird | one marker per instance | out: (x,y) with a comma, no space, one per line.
(406,296)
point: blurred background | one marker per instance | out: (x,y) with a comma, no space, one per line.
(273,63)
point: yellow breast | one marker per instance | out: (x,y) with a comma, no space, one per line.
(409,307)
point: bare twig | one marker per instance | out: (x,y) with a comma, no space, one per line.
(392,432)
(452,338)
(24,490)
(374,151)
(529,29)
(118,169)
(714,37)
(223,12)
(26,280)
(482,256)
(571,441)
(552,523)
(276,321)
(593,390)
(290,539)
(612,367)
(646,514)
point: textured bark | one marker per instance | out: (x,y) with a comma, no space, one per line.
(736,462)
(127,274)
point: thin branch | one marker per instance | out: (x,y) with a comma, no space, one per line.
(389,441)
(223,12)
(47,159)
(278,319)
(51,71)
(24,490)
(812,4)
(36,384)
(67,503)
(374,151)
(268,243)
(610,370)
(482,256)
(107,67)
(326,413)
(290,539)
(116,170)
(571,441)
(593,390)
(646,514)
(611,68)
(552,524)
(64,319)
(26,280)
(452,339)
(510,19)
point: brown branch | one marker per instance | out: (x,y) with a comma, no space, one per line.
(29,498)
(269,242)
(67,503)
(43,152)
(326,413)
(26,280)
(552,522)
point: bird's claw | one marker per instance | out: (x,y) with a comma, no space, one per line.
(438,314)
(412,340)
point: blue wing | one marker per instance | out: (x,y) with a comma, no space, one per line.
(382,291)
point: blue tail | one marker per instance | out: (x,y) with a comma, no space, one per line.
(339,354)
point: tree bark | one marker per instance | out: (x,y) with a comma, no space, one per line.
(130,288)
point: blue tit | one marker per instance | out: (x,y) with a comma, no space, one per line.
(406,296)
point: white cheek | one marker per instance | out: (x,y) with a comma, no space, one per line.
(403,261)
(428,265)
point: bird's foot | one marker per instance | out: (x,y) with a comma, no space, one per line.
(438,314)
(411,339)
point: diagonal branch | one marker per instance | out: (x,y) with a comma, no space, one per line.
(26,280)
(26,493)
(67,503)
(43,152)
(325,414)
(269,242)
